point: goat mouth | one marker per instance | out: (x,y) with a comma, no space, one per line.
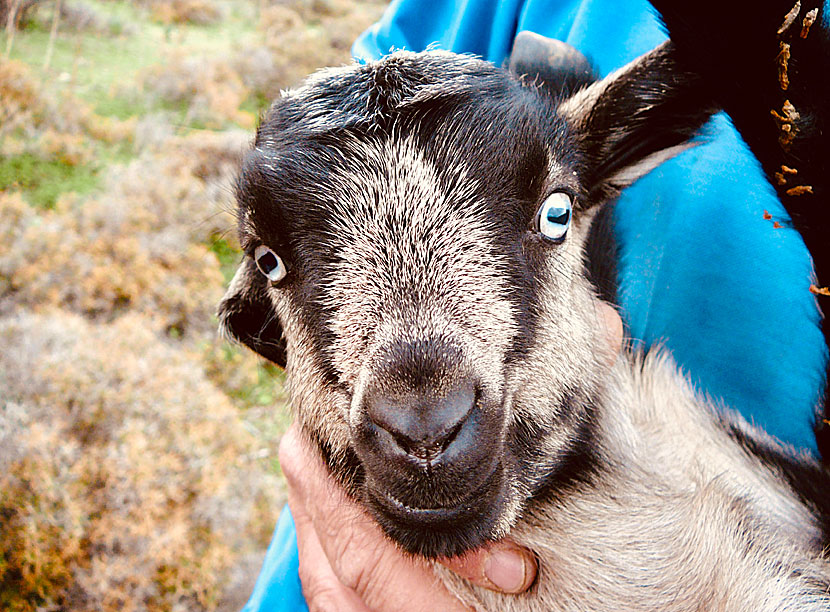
(425,516)
(443,531)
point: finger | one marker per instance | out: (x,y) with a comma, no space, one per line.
(357,553)
(337,519)
(298,461)
(322,589)
(503,566)
(613,327)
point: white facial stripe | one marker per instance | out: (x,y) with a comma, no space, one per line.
(415,260)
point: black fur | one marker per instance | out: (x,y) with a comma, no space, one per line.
(602,254)
(562,70)
(580,463)
(250,318)
(552,64)
(662,105)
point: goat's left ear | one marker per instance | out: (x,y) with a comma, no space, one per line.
(634,119)
(247,315)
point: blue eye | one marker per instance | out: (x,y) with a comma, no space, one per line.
(269,263)
(555,216)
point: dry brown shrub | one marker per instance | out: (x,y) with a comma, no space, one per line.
(311,10)
(76,258)
(20,96)
(127,481)
(196,12)
(25,104)
(300,36)
(80,17)
(142,245)
(69,149)
(210,87)
(60,127)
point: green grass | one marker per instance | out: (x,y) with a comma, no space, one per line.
(268,388)
(227,255)
(262,401)
(256,103)
(104,69)
(267,411)
(43,181)
(122,106)
(91,66)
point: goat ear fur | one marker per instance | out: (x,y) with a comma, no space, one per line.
(247,315)
(636,118)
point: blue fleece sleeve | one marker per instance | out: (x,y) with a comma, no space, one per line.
(278,587)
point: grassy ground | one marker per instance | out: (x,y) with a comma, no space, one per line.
(138,464)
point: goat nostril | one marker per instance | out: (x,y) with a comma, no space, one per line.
(427,451)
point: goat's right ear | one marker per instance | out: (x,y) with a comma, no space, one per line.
(247,315)
(634,119)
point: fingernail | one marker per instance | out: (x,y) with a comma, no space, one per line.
(506,570)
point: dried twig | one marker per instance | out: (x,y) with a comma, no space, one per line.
(800,190)
(52,35)
(816,290)
(809,20)
(783,175)
(790,18)
(783,61)
(10,26)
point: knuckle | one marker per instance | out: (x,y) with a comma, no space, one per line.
(363,573)
(352,572)
(322,593)
(326,602)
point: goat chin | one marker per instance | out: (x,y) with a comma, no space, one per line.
(681,514)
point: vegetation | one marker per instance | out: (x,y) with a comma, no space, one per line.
(138,464)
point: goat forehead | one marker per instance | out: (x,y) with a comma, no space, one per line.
(406,228)
(398,195)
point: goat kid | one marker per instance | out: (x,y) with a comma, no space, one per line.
(416,232)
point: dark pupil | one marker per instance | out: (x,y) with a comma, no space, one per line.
(559,216)
(267,262)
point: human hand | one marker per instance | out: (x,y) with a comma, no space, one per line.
(348,565)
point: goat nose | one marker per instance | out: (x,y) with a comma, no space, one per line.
(423,424)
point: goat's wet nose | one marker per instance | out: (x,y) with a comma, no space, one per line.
(422,424)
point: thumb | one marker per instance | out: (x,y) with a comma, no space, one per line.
(503,566)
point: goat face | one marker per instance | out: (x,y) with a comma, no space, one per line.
(415,234)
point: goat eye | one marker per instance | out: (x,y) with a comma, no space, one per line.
(269,263)
(554,217)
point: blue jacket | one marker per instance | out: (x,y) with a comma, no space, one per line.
(701,270)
